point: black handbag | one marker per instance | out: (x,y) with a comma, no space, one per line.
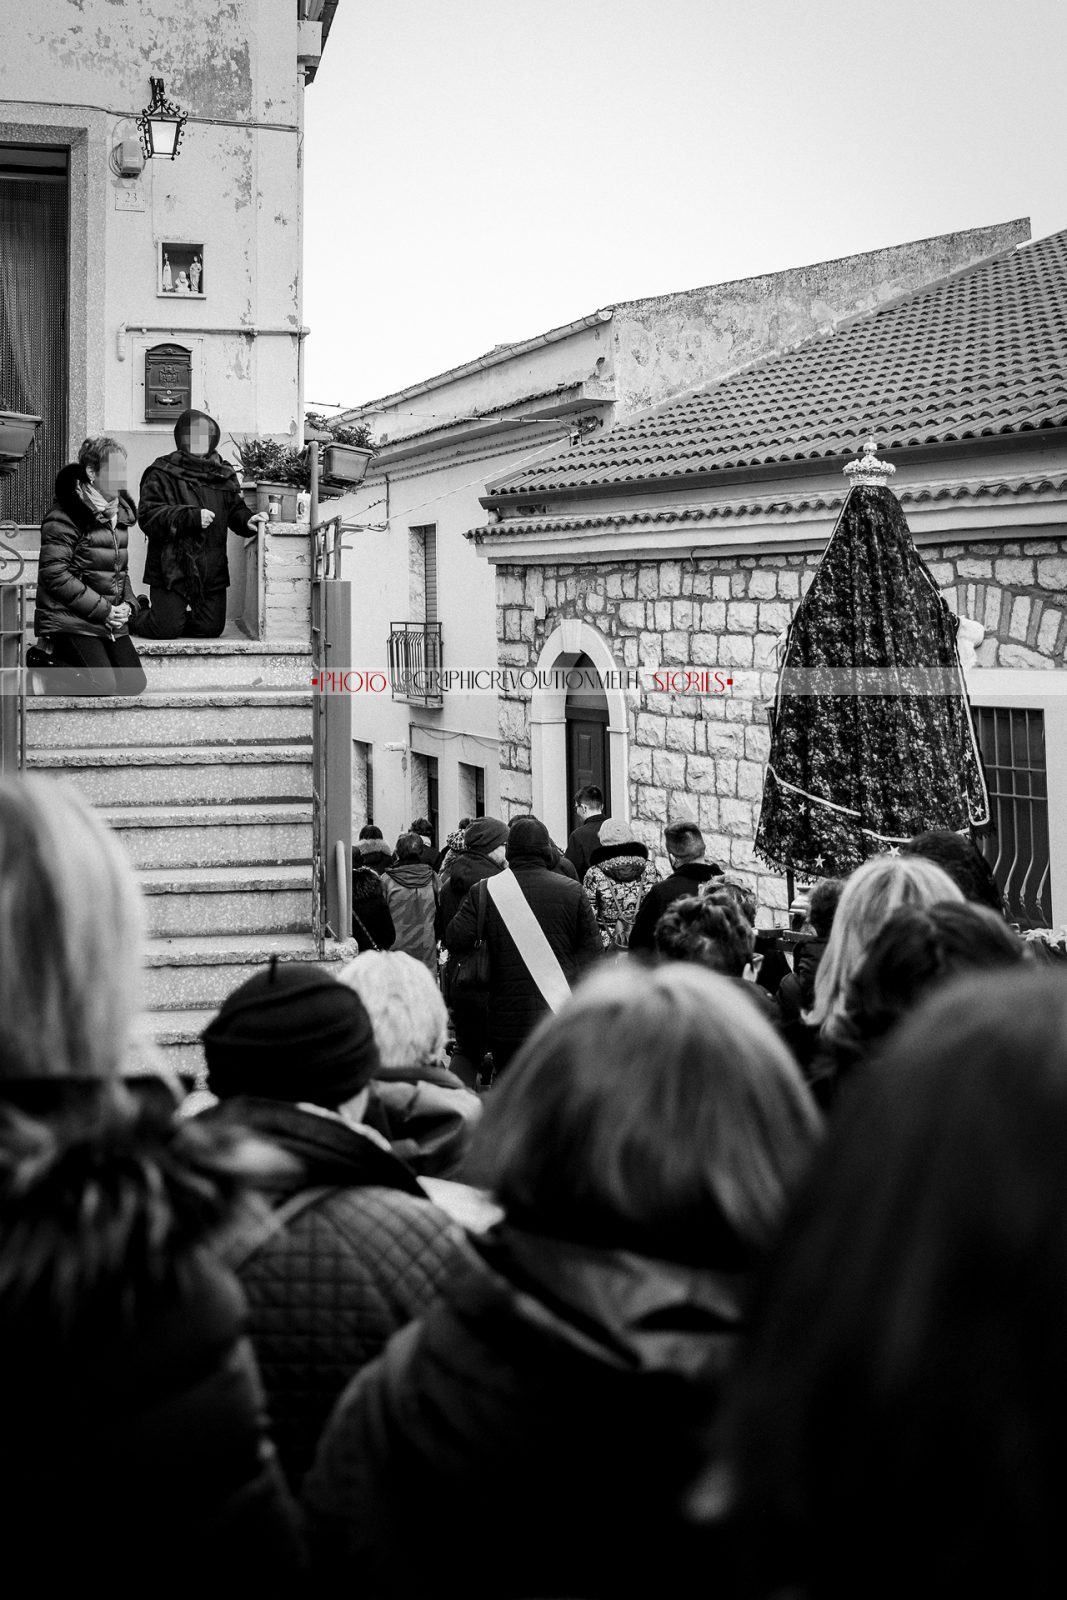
(469,976)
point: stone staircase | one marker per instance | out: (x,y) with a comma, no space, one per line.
(207,779)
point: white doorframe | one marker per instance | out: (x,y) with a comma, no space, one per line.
(548,727)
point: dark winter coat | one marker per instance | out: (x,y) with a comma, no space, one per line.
(582,842)
(182,555)
(466,868)
(327,1290)
(372,924)
(686,880)
(619,877)
(410,892)
(135,1449)
(83,566)
(796,992)
(562,1391)
(516,1004)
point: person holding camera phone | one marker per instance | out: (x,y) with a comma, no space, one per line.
(189,501)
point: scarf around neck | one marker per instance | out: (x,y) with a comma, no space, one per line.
(101,507)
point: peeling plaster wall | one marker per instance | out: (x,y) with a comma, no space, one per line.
(83,73)
(669,343)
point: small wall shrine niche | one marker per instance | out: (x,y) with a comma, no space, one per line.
(181,270)
(168,382)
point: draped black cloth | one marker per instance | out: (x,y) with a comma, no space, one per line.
(872,740)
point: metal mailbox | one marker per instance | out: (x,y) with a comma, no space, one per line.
(168,382)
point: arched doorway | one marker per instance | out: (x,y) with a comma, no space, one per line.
(587,719)
(552,789)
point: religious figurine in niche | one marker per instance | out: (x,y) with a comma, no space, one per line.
(195,270)
(182,285)
(168,276)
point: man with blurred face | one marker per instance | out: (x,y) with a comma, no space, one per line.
(190,500)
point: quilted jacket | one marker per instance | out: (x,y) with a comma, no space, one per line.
(83,566)
(329,1288)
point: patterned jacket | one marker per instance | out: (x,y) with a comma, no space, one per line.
(615,885)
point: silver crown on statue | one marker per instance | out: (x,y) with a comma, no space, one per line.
(868,469)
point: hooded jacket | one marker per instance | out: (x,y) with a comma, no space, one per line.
(183,555)
(619,877)
(83,566)
(563,1390)
(466,868)
(410,891)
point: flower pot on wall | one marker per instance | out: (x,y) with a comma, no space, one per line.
(17,430)
(346,463)
(284,493)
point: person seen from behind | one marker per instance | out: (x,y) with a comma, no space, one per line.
(894,1427)
(643,1148)
(351,1247)
(617,880)
(690,871)
(410,890)
(871,894)
(133,1409)
(565,935)
(589,809)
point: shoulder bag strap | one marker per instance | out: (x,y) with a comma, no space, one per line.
(239,1250)
(529,938)
(367,935)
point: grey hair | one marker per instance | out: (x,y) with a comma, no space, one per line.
(407,1013)
(71,933)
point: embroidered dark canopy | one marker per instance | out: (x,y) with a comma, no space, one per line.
(871,737)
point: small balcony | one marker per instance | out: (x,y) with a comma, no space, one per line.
(415,662)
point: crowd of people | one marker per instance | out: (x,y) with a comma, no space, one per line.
(581,1236)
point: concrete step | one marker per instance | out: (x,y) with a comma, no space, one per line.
(189,972)
(189,717)
(266,834)
(174,1037)
(227,900)
(234,664)
(187,774)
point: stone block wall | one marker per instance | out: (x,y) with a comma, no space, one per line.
(705,754)
(286,581)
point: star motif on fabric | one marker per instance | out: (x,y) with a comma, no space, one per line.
(893,850)
(820,862)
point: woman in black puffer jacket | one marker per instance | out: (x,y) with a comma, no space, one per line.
(85,601)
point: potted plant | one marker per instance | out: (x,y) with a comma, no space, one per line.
(17,430)
(347,456)
(271,470)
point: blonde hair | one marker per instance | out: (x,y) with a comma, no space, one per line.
(71,936)
(407,1013)
(868,900)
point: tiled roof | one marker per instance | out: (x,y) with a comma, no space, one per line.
(918,494)
(979,354)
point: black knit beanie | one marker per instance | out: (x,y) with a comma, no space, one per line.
(292,1032)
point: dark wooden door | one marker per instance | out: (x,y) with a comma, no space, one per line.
(587,757)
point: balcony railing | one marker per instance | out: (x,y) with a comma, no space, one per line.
(415,662)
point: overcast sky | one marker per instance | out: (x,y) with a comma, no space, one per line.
(478,171)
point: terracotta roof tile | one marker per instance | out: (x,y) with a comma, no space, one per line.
(976,355)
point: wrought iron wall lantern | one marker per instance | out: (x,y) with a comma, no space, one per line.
(161,124)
